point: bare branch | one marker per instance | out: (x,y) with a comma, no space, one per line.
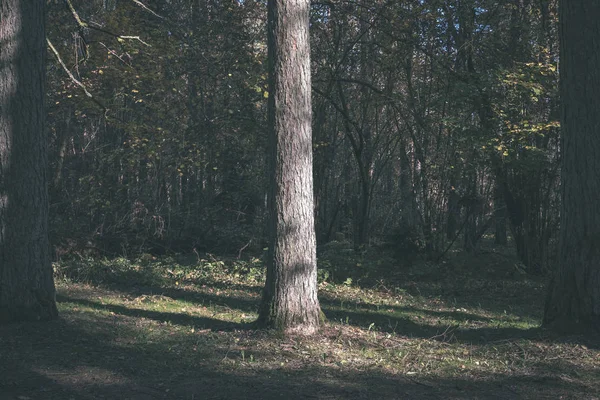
(80,22)
(75,80)
(139,3)
(114,53)
(135,38)
(84,24)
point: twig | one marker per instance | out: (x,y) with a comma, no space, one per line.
(139,3)
(134,38)
(77,82)
(88,94)
(80,22)
(197,255)
(226,354)
(85,24)
(449,329)
(114,53)
(420,383)
(243,248)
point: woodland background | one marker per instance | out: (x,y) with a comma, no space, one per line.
(435,124)
(437,160)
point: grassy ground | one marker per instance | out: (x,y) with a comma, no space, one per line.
(178,328)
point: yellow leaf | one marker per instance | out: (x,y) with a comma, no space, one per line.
(266,94)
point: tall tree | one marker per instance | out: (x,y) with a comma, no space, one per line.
(26,285)
(574,297)
(290,302)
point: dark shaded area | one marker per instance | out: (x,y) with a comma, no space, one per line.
(199,298)
(38,361)
(372,308)
(405,327)
(353,313)
(21,380)
(473,287)
(522,298)
(384,318)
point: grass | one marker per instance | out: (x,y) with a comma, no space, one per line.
(179,328)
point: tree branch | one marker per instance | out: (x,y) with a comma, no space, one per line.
(75,80)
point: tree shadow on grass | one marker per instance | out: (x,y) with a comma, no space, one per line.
(521,297)
(200,298)
(17,382)
(378,319)
(462,316)
(85,359)
(169,317)
(355,313)
(404,326)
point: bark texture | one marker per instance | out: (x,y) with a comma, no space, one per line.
(573,301)
(26,284)
(290,302)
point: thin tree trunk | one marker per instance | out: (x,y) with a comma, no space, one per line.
(500,236)
(62,140)
(290,302)
(453,209)
(26,284)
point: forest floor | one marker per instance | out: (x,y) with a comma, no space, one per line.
(179,328)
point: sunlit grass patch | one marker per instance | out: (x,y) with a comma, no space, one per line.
(186,329)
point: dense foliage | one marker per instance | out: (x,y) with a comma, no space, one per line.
(434,123)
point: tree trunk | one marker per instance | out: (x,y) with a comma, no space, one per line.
(472,204)
(453,209)
(573,301)
(500,235)
(361,216)
(26,285)
(290,302)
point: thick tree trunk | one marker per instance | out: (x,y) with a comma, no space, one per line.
(573,301)
(26,285)
(290,301)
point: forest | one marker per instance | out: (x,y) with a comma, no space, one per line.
(331,199)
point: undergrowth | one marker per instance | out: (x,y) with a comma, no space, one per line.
(467,327)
